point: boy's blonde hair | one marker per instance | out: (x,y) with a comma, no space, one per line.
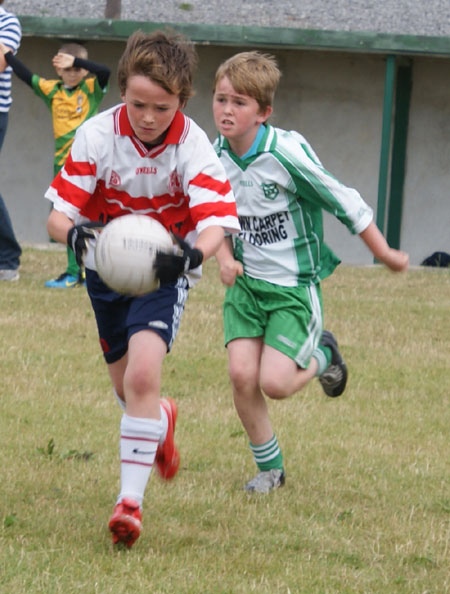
(169,60)
(74,49)
(252,73)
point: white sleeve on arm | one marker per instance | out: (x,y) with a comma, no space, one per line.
(316,184)
(76,181)
(211,198)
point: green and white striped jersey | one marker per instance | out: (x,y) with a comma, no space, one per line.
(280,192)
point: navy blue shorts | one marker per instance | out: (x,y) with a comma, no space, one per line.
(120,316)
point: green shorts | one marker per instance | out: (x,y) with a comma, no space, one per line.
(288,318)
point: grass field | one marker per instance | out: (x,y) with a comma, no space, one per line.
(366,504)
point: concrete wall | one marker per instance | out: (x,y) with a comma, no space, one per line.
(426,214)
(334,99)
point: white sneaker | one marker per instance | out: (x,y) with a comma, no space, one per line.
(9,275)
(266,481)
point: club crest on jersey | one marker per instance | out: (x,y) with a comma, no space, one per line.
(174,183)
(270,190)
(114,180)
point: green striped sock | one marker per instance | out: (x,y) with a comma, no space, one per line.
(268,455)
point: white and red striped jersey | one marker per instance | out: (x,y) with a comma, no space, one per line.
(110,172)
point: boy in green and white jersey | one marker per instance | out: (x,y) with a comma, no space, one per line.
(273,318)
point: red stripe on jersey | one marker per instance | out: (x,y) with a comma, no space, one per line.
(155,204)
(216,209)
(210,183)
(172,211)
(64,187)
(79,167)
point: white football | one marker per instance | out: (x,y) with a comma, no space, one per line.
(125,252)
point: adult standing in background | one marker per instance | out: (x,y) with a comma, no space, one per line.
(10,251)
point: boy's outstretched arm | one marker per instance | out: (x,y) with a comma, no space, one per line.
(395,260)
(229,267)
(209,240)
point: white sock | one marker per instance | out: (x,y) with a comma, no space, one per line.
(322,363)
(120,402)
(139,439)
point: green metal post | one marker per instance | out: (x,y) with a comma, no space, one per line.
(385,140)
(402,102)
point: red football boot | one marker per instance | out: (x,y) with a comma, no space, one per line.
(167,456)
(126,522)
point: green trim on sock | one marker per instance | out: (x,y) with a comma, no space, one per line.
(268,455)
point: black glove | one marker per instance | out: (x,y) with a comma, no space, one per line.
(169,267)
(77,238)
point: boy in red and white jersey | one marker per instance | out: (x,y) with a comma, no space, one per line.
(146,157)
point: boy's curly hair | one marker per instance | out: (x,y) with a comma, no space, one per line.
(168,59)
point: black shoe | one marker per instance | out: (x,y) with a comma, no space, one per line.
(334,379)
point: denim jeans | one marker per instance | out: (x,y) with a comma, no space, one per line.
(10,250)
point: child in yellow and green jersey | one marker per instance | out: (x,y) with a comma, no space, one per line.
(72,99)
